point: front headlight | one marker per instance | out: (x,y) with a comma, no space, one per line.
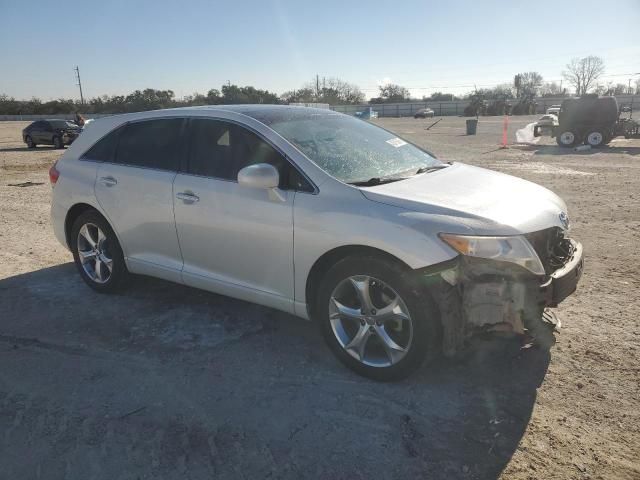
(514,249)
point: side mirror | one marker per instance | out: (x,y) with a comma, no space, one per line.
(264,176)
(260,175)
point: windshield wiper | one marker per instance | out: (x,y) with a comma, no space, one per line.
(433,168)
(376,181)
(381,180)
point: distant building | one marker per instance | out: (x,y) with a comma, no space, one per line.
(311,104)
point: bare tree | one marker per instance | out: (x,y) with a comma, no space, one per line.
(330,90)
(583,73)
(527,84)
(550,89)
(617,89)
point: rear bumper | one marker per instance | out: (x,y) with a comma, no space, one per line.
(58,215)
(564,281)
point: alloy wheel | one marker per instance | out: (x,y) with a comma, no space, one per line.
(370,321)
(93,252)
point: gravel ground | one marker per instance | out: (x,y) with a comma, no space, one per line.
(164,381)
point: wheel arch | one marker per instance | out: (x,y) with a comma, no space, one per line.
(329,258)
(73,213)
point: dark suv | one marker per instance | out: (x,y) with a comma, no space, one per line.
(50,132)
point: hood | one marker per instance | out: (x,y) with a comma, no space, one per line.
(487,202)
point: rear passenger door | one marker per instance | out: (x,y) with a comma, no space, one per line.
(38,132)
(134,189)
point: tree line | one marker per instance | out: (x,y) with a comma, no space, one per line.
(582,74)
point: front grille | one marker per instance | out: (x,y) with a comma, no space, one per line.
(552,247)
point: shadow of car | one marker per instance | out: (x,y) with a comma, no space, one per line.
(167,362)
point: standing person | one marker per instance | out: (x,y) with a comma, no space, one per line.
(79,120)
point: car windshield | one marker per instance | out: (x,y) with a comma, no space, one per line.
(349,149)
(62,124)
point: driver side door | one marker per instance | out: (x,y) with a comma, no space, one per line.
(235,240)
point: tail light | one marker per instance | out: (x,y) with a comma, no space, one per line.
(54,173)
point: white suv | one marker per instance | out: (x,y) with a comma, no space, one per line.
(395,254)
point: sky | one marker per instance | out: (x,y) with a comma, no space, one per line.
(195,45)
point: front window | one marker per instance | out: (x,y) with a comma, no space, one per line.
(350,149)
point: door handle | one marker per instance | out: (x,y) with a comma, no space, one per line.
(108,181)
(187,197)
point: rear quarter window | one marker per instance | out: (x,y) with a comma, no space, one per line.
(154,143)
(105,149)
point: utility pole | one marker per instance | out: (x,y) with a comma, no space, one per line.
(77,70)
(317,86)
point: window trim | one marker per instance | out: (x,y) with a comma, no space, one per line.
(186,154)
(185,164)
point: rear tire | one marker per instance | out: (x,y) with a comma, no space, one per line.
(596,139)
(567,138)
(97,253)
(29,141)
(399,331)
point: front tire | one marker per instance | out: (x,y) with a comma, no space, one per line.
(57,142)
(29,142)
(567,138)
(97,253)
(374,319)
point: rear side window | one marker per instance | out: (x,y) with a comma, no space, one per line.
(105,149)
(152,144)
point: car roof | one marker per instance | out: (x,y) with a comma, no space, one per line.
(267,113)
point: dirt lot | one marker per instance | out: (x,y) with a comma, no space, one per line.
(169,382)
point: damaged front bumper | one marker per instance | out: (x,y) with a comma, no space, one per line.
(69,137)
(477,295)
(564,281)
